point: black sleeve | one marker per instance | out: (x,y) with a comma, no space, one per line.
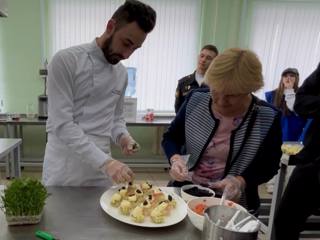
(266,163)
(174,138)
(307,103)
(178,98)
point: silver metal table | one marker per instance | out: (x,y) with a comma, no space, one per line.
(14,128)
(10,148)
(74,213)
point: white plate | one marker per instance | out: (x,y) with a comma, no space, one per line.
(176,215)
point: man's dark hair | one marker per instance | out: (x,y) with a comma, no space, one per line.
(135,11)
(211,48)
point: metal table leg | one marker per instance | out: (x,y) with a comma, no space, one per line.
(21,136)
(8,167)
(277,194)
(16,168)
(157,141)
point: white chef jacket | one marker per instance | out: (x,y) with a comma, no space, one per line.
(85,113)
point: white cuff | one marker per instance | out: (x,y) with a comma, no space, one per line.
(290,101)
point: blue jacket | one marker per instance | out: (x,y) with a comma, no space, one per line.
(292,125)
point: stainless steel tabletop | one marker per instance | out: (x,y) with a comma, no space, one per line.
(75,213)
(7,145)
(11,147)
(139,121)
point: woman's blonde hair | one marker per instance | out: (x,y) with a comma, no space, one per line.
(235,71)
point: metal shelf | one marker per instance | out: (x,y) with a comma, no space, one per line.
(136,163)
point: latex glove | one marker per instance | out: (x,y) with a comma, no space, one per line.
(128,145)
(179,170)
(289,97)
(118,171)
(196,179)
(231,186)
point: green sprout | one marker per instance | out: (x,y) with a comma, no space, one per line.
(24,197)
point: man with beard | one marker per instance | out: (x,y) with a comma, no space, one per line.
(86,86)
(195,80)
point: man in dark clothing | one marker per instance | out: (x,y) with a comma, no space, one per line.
(194,80)
(302,195)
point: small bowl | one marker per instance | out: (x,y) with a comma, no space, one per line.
(291,148)
(197,219)
(187,196)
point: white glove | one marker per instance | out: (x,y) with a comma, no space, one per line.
(179,170)
(118,171)
(128,145)
(289,97)
(231,186)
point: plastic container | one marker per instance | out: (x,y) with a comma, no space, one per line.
(149,116)
(131,88)
(23,220)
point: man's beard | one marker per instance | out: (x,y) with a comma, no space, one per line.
(112,58)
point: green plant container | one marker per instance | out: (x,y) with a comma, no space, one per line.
(23,201)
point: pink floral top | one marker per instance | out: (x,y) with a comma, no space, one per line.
(212,163)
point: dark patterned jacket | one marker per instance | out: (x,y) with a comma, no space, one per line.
(255,145)
(185,86)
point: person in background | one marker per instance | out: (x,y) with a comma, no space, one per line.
(302,194)
(283,98)
(195,80)
(233,138)
(86,86)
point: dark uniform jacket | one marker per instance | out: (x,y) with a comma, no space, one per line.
(185,86)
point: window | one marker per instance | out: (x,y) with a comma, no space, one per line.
(285,34)
(168,53)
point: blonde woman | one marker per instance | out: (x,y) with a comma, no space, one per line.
(233,138)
